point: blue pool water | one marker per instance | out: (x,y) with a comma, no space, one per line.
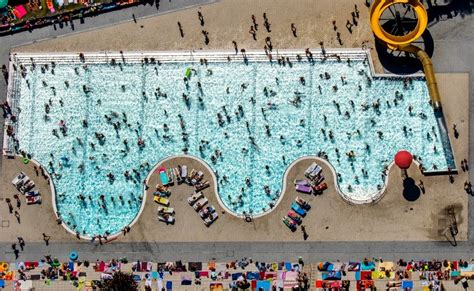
(249,98)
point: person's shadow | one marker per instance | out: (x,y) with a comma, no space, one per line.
(411,191)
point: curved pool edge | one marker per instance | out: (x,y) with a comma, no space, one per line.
(375,197)
(216,188)
(55,208)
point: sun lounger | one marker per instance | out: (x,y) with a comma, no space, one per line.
(18,180)
(190,176)
(169,219)
(195,197)
(297,219)
(198,177)
(206,211)
(201,186)
(32,194)
(296,207)
(168,210)
(200,203)
(177,175)
(310,169)
(289,223)
(184,171)
(33,200)
(162,201)
(27,186)
(163,176)
(170,177)
(305,205)
(303,189)
(321,187)
(315,173)
(303,182)
(211,218)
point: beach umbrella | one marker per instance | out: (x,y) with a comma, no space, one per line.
(3,3)
(403,159)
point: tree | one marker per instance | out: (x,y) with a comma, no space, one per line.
(121,282)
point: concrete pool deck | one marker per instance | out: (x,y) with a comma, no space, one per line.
(394,218)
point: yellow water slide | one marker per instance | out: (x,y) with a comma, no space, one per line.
(403,43)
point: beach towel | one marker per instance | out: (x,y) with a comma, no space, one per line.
(353,267)
(204,274)
(159,284)
(369,267)
(236,276)
(253,275)
(270,275)
(195,266)
(169,285)
(333,275)
(264,285)
(2,283)
(216,286)
(407,284)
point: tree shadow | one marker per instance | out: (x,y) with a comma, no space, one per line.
(437,13)
(399,62)
(411,191)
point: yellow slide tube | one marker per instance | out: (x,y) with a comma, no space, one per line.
(403,43)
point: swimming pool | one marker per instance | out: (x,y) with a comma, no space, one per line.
(248,121)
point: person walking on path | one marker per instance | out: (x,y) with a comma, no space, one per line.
(293,29)
(235,47)
(253,33)
(18,201)
(10,206)
(206,37)
(421,186)
(181,32)
(254,21)
(305,234)
(15,251)
(201,18)
(21,242)
(46,238)
(17,215)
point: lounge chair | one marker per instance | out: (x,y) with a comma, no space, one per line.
(163,176)
(296,207)
(162,201)
(167,218)
(33,200)
(200,203)
(310,169)
(32,194)
(297,219)
(167,210)
(289,223)
(195,197)
(303,189)
(198,177)
(303,182)
(190,176)
(211,218)
(177,174)
(170,176)
(201,185)
(305,205)
(321,187)
(315,173)
(184,172)
(206,211)
(27,186)
(18,180)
